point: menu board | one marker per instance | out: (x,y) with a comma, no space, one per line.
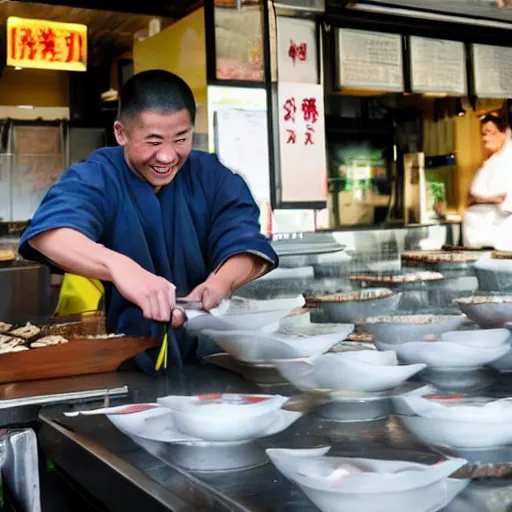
(303,161)
(369,60)
(438,66)
(492,68)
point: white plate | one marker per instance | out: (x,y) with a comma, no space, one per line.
(286,343)
(366,371)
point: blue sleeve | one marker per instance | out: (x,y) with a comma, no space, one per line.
(77,201)
(235,227)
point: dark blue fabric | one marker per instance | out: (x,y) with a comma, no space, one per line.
(183,233)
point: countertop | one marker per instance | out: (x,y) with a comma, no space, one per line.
(98,456)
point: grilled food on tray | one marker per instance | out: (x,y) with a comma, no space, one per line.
(4,327)
(29,336)
(26,332)
(48,341)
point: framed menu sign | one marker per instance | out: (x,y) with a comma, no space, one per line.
(492,68)
(369,60)
(438,66)
(303,161)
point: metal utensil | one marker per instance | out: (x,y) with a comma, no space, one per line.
(189,304)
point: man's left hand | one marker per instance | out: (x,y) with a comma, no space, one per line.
(211,293)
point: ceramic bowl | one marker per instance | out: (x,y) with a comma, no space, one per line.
(244,314)
(287,343)
(462,423)
(365,371)
(443,354)
(487,311)
(356,306)
(400,329)
(346,484)
(494,275)
(229,417)
(479,338)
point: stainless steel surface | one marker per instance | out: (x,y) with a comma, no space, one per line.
(21,470)
(208,457)
(257,373)
(91,450)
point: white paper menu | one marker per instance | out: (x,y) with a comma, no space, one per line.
(438,66)
(369,60)
(242,146)
(303,161)
(492,70)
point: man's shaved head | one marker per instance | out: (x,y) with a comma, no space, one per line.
(155,91)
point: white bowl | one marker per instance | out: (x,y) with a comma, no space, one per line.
(243,314)
(366,371)
(287,343)
(494,313)
(219,404)
(443,354)
(504,364)
(233,419)
(480,338)
(457,434)
(337,484)
(400,329)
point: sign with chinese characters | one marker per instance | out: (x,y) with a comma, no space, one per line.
(297,50)
(438,66)
(369,60)
(303,162)
(45,44)
(492,68)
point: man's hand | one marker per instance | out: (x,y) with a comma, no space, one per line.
(153,294)
(233,273)
(211,293)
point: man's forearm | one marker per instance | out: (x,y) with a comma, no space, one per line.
(485,200)
(75,253)
(241,269)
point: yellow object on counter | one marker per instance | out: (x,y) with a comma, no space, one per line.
(79,294)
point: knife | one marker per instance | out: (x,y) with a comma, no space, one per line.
(189,304)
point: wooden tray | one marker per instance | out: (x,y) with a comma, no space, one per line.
(78,357)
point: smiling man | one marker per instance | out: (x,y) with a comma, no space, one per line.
(151,218)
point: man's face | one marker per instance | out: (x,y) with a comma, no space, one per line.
(492,138)
(156,145)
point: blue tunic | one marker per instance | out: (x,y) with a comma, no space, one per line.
(182,233)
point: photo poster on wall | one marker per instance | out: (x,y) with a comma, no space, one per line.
(241,144)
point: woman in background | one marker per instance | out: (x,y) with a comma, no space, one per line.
(488,219)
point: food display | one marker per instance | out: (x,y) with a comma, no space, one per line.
(52,350)
(488,311)
(355,306)
(501,255)
(408,277)
(441,256)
